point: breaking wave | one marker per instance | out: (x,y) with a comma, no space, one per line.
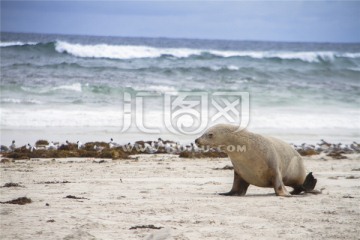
(11,44)
(131,52)
(125,52)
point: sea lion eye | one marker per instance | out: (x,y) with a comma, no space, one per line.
(210,135)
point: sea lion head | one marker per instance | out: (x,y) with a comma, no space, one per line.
(216,136)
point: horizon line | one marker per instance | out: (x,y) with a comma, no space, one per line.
(182,38)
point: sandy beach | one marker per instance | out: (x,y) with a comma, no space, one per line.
(177,195)
(117,117)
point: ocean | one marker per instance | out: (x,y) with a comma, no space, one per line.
(66,87)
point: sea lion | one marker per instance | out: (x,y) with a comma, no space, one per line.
(259,160)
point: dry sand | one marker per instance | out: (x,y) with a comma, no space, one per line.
(176,194)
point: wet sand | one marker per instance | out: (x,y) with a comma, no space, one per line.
(176,194)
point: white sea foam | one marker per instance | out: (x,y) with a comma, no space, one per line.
(72,87)
(351,55)
(356,69)
(9,44)
(229,67)
(232,67)
(20,101)
(130,52)
(304,56)
(302,119)
(215,68)
(57,117)
(121,51)
(161,89)
(100,117)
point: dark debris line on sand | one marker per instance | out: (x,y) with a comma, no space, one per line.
(145,226)
(67,150)
(227,167)
(116,151)
(103,150)
(74,197)
(19,201)
(330,149)
(53,182)
(10,184)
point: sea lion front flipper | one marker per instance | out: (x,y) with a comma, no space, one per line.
(279,187)
(239,187)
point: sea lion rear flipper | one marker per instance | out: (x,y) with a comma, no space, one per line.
(308,186)
(309,183)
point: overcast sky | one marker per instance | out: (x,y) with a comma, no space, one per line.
(326,21)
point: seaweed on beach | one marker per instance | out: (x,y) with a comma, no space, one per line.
(351,177)
(145,226)
(188,154)
(101,161)
(68,147)
(19,201)
(90,146)
(18,153)
(115,151)
(41,142)
(336,155)
(11,184)
(307,152)
(5,160)
(53,182)
(74,197)
(227,167)
(67,151)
